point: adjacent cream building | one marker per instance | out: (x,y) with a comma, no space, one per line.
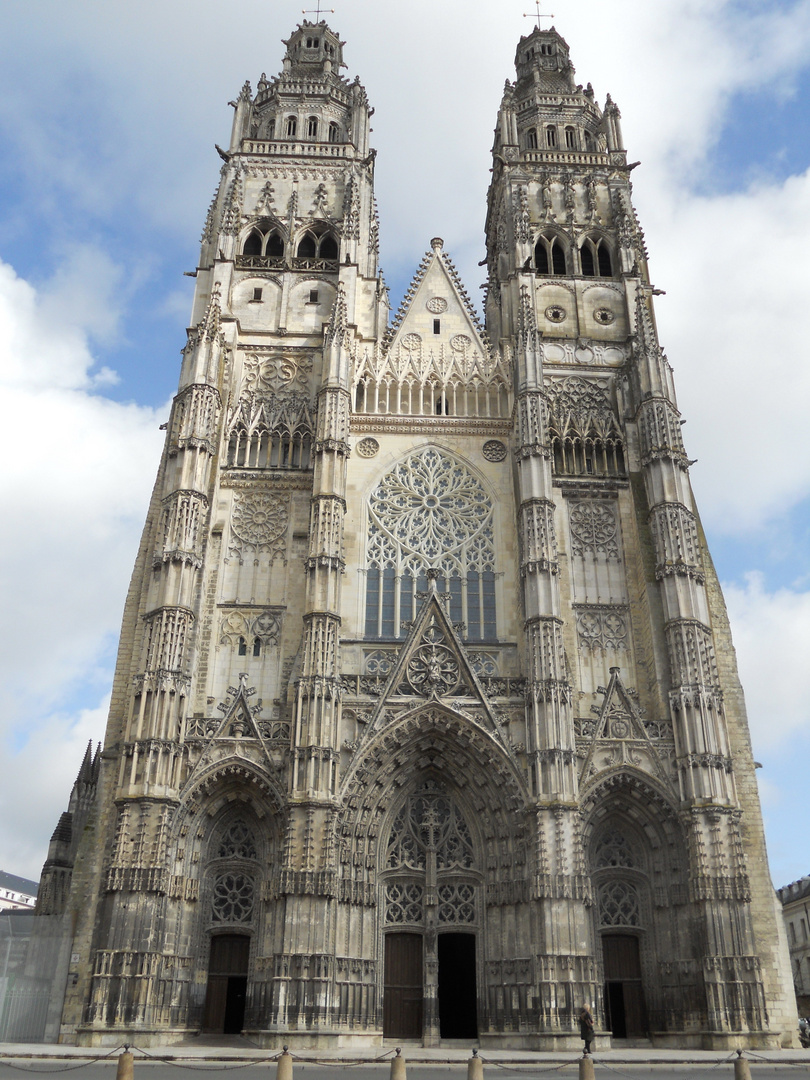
(426,721)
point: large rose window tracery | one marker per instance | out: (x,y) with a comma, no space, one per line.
(428,512)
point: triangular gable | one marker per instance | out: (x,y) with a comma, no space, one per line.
(238,723)
(436,293)
(619,736)
(433,666)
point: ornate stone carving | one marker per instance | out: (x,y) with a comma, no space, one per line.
(494,450)
(259,524)
(429,511)
(436,305)
(274,373)
(601,627)
(233,898)
(594,528)
(368,447)
(249,625)
(619,904)
(433,669)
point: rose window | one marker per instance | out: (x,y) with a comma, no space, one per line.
(233,898)
(430,512)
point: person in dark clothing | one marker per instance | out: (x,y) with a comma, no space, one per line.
(586,1027)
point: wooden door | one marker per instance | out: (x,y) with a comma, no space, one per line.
(227,983)
(624,992)
(403,986)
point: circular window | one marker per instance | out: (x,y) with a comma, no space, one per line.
(494,450)
(555,313)
(436,305)
(604,316)
(367,447)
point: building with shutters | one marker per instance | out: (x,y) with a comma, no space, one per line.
(426,721)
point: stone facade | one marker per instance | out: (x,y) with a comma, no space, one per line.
(426,720)
(795,900)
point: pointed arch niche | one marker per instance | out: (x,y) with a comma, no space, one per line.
(410,852)
(430,512)
(642,919)
(226,851)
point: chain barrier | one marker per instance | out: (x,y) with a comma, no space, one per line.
(531,1071)
(198,1068)
(344,1064)
(204,1068)
(691,1068)
(769,1061)
(63,1068)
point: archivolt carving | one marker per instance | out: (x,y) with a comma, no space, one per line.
(443,745)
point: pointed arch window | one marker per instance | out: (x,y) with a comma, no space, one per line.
(263,246)
(317,249)
(291,127)
(312,127)
(334,133)
(551,137)
(571,138)
(531,139)
(428,512)
(585,436)
(549,256)
(595,258)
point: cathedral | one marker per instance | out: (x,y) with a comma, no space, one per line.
(426,722)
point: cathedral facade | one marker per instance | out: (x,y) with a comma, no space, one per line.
(426,722)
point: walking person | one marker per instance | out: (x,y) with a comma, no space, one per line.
(586,1027)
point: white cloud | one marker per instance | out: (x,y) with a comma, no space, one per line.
(772,637)
(77,470)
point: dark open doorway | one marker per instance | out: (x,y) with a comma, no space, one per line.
(457,997)
(227,984)
(403,986)
(624,994)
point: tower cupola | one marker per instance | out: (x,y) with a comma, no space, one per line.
(543,58)
(313,48)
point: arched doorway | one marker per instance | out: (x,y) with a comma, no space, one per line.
(625,1013)
(232,876)
(431,887)
(227,984)
(643,922)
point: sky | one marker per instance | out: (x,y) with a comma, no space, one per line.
(108,118)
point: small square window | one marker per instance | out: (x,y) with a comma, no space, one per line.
(313,296)
(437,326)
(257,296)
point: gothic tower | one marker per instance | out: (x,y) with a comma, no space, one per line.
(425,721)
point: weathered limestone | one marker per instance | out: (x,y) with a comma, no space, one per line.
(426,721)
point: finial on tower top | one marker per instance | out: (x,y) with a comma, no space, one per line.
(437,243)
(538,16)
(316,11)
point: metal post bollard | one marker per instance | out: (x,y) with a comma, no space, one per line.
(398,1066)
(125,1069)
(475,1067)
(586,1067)
(284,1065)
(742,1069)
